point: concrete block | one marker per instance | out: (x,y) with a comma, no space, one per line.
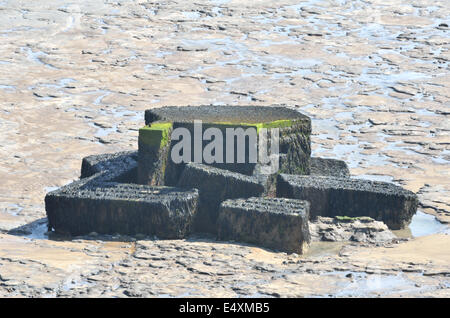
(216,185)
(332,196)
(329,167)
(124,163)
(294,128)
(276,223)
(153,155)
(102,203)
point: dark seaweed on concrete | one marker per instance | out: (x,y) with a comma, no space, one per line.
(216,185)
(102,203)
(276,223)
(329,167)
(223,114)
(332,196)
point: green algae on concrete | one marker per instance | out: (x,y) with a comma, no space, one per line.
(154,141)
(349,219)
(156,134)
(283,123)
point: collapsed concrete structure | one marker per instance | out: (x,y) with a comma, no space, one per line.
(146,192)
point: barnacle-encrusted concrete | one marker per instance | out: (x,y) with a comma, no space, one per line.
(294,132)
(329,167)
(124,163)
(101,202)
(236,115)
(276,223)
(331,196)
(216,185)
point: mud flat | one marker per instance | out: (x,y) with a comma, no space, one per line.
(374,80)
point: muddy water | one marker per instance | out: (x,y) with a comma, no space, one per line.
(422,224)
(364,285)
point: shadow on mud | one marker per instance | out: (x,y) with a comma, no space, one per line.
(422,224)
(38,230)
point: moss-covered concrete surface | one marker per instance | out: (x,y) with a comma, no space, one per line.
(155,135)
(154,152)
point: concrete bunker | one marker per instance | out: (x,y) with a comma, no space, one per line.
(145,192)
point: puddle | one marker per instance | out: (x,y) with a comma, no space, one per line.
(422,224)
(364,285)
(98,100)
(8,88)
(440,160)
(70,284)
(191,15)
(69,24)
(275,60)
(386,79)
(13,209)
(425,224)
(350,154)
(375,30)
(104,25)
(38,230)
(121,112)
(326,125)
(103,132)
